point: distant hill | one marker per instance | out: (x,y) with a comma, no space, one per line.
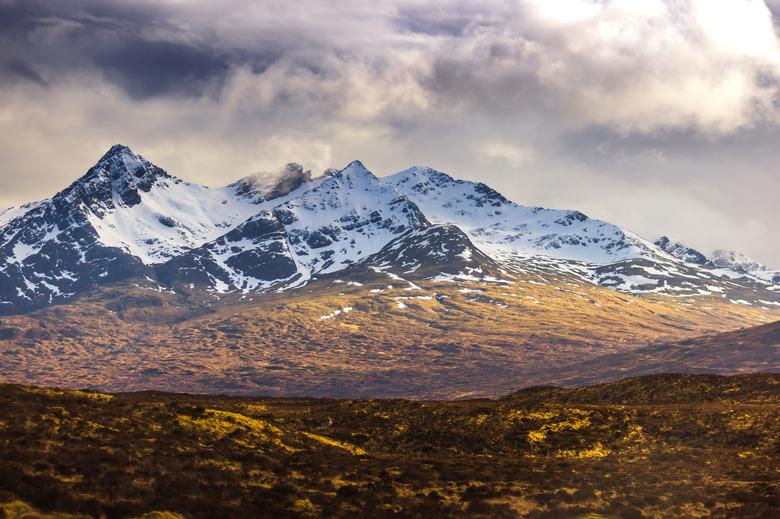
(665,388)
(747,350)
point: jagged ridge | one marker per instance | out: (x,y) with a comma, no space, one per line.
(127,217)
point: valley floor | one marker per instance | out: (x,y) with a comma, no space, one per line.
(654,447)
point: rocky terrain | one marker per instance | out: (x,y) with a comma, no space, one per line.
(347,285)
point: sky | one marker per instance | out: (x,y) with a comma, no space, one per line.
(662,117)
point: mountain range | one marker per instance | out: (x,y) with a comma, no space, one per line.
(128,246)
(127,217)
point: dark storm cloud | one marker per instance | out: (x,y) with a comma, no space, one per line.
(24,71)
(141,47)
(149,68)
(15,17)
(20,19)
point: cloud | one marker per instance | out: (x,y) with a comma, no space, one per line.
(146,69)
(631,66)
(23,70)
(502,151)
(529,96)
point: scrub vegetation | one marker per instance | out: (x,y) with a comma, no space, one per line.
(649,447)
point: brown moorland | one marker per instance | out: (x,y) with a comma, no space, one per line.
(367,336)
(686,446)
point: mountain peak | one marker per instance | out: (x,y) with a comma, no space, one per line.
(120,173)
(355,169)
(116,150)
(120,162)
(736,261)
(422,174)
(680,251)
(356,164)
(355,174)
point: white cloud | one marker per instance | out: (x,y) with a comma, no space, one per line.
(738,27)
(648,66)
(514,156)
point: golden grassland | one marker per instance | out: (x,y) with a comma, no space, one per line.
(650,447)
(376,337)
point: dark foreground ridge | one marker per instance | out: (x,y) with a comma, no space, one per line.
(655,446)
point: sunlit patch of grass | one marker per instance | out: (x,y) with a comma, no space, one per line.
(740,421)
(305,508)
(98,397)
(21,510)
(250,409)
(220,424)
(335,443)
(597,451)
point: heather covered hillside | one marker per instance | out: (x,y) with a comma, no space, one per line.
(652,447)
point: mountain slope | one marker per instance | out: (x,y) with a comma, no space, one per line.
(372,330)
(748,350)
(439,253)
(500,227)
(532,238)
(416,285)
(124,215)
(253,256)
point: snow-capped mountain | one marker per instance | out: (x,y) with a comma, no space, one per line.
(128,218)
(725,259)
(139,208)
(124,215)
(547,240)
(678,250)
(504,229)
(738,262)
(345,218)
(348,217)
